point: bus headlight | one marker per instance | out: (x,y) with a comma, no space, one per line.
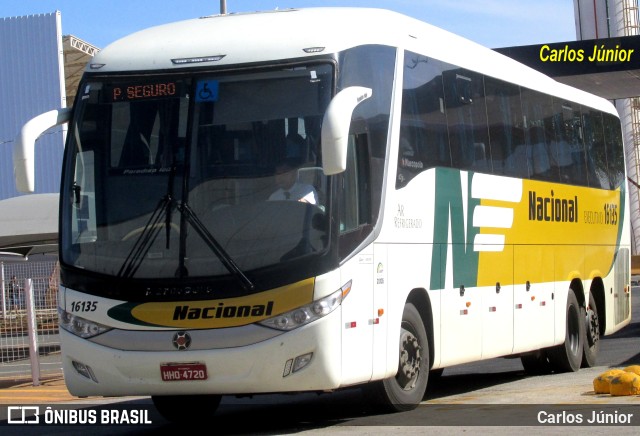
(79,326)
(306,314)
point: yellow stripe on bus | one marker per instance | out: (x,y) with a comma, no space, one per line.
(559,232)
(228,312)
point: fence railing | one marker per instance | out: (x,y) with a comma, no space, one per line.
(29,341)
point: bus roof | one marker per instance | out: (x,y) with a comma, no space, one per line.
(243,38)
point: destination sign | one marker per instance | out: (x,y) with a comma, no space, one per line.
(145,91)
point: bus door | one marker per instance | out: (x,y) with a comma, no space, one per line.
(354,221)
(357,325)
(380,318)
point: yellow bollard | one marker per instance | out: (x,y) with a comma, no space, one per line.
(633,368)
(601,384)
(627,383)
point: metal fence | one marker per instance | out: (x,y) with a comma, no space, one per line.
(29,341)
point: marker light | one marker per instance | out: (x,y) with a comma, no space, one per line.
(295,365)
(313,49)
(84,370)
(302,361)
(306,314)
(197,60)
(80,326)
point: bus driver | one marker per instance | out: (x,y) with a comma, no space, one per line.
(289,188)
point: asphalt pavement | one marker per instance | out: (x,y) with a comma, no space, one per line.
(567,388)
(555,395)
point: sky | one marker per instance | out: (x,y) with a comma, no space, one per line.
(493,23)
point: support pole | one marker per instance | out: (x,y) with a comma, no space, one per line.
(34,356)
(3,292)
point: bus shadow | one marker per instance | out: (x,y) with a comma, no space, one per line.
(447,385)
(286,414)
(279,413)
(630,331)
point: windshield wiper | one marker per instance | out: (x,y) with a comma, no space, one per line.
(215,246)
(147,237)
(153,227)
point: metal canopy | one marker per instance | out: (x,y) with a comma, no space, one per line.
(607,67)
(29,225)
(77,53)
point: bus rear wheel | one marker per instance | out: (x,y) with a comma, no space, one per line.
(186,408)
(592,334)
(406,389)
(567,357)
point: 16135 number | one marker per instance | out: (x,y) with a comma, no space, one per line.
(84,306)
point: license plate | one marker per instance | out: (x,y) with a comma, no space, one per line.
(183,371)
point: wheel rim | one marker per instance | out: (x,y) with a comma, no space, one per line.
(593,327)
(410,360)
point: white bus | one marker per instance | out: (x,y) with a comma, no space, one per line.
(453,205)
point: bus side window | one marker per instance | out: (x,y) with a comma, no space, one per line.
(410,160)
(353,199)
(424,142)
(537,110)
(615,156)
(539,151)
(594,143)
(467,119)
(509,152)
(568,151)
(354,195)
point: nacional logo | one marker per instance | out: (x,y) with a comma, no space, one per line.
(552,208)
(222,311)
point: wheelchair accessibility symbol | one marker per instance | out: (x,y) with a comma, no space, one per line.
(207,90)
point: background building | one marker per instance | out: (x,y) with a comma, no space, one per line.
(39,71)
(611,19)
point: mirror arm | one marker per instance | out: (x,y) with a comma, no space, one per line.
(24,149)
(335,127)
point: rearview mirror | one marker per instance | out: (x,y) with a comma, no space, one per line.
(335,128)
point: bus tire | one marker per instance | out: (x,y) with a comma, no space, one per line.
(592,334)
(567,357)
(406,389)
(186,408)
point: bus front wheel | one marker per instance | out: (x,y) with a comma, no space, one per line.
(186,408)
(406,389)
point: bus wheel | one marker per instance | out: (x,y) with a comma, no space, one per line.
(592,334)
(567,357)
(186,408)
(406,390)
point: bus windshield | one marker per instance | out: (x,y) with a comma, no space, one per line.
(196,175)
